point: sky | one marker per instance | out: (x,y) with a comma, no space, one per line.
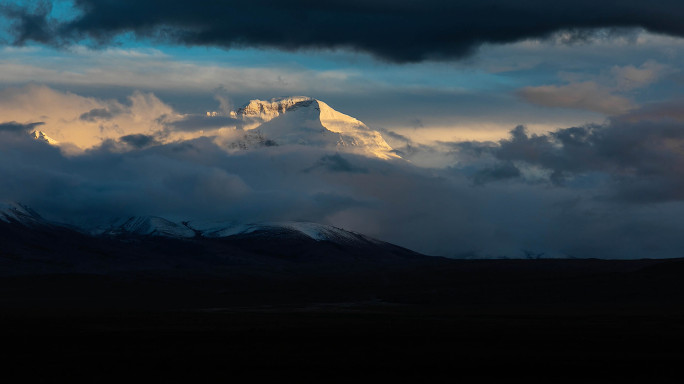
(524,128)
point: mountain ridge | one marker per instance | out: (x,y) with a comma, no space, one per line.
(18,213)
(155,243)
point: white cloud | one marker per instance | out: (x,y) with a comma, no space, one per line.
(154,70)
(88,121)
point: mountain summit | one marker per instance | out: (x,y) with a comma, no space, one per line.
(42,136)
(307,121)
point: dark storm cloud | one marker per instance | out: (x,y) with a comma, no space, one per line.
(642,154)
(139,140)
(13,126)
(30,23)
(503,171)
(400,31)
(97,114)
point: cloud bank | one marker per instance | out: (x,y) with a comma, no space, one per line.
(641,156)
(398,31)
(611,190)
(85,122)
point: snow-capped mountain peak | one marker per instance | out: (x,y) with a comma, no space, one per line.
(262,111)
(40,135)
(307,121)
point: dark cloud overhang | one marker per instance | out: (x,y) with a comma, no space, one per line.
(13,126)
(97,114)
(501,171)
(139,140)
(642,155)
(398,31)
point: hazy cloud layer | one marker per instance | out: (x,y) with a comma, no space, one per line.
(87,122)
(400,31)
(585,95)
(611,190)
(443,213)
(630,77)
(609,93)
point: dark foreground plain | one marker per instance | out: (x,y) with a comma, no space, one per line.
(291,309)
(540,320)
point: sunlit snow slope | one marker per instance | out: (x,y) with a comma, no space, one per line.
(307,121)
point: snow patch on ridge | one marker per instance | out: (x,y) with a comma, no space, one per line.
(314,231)
(157,226)
(257,112)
